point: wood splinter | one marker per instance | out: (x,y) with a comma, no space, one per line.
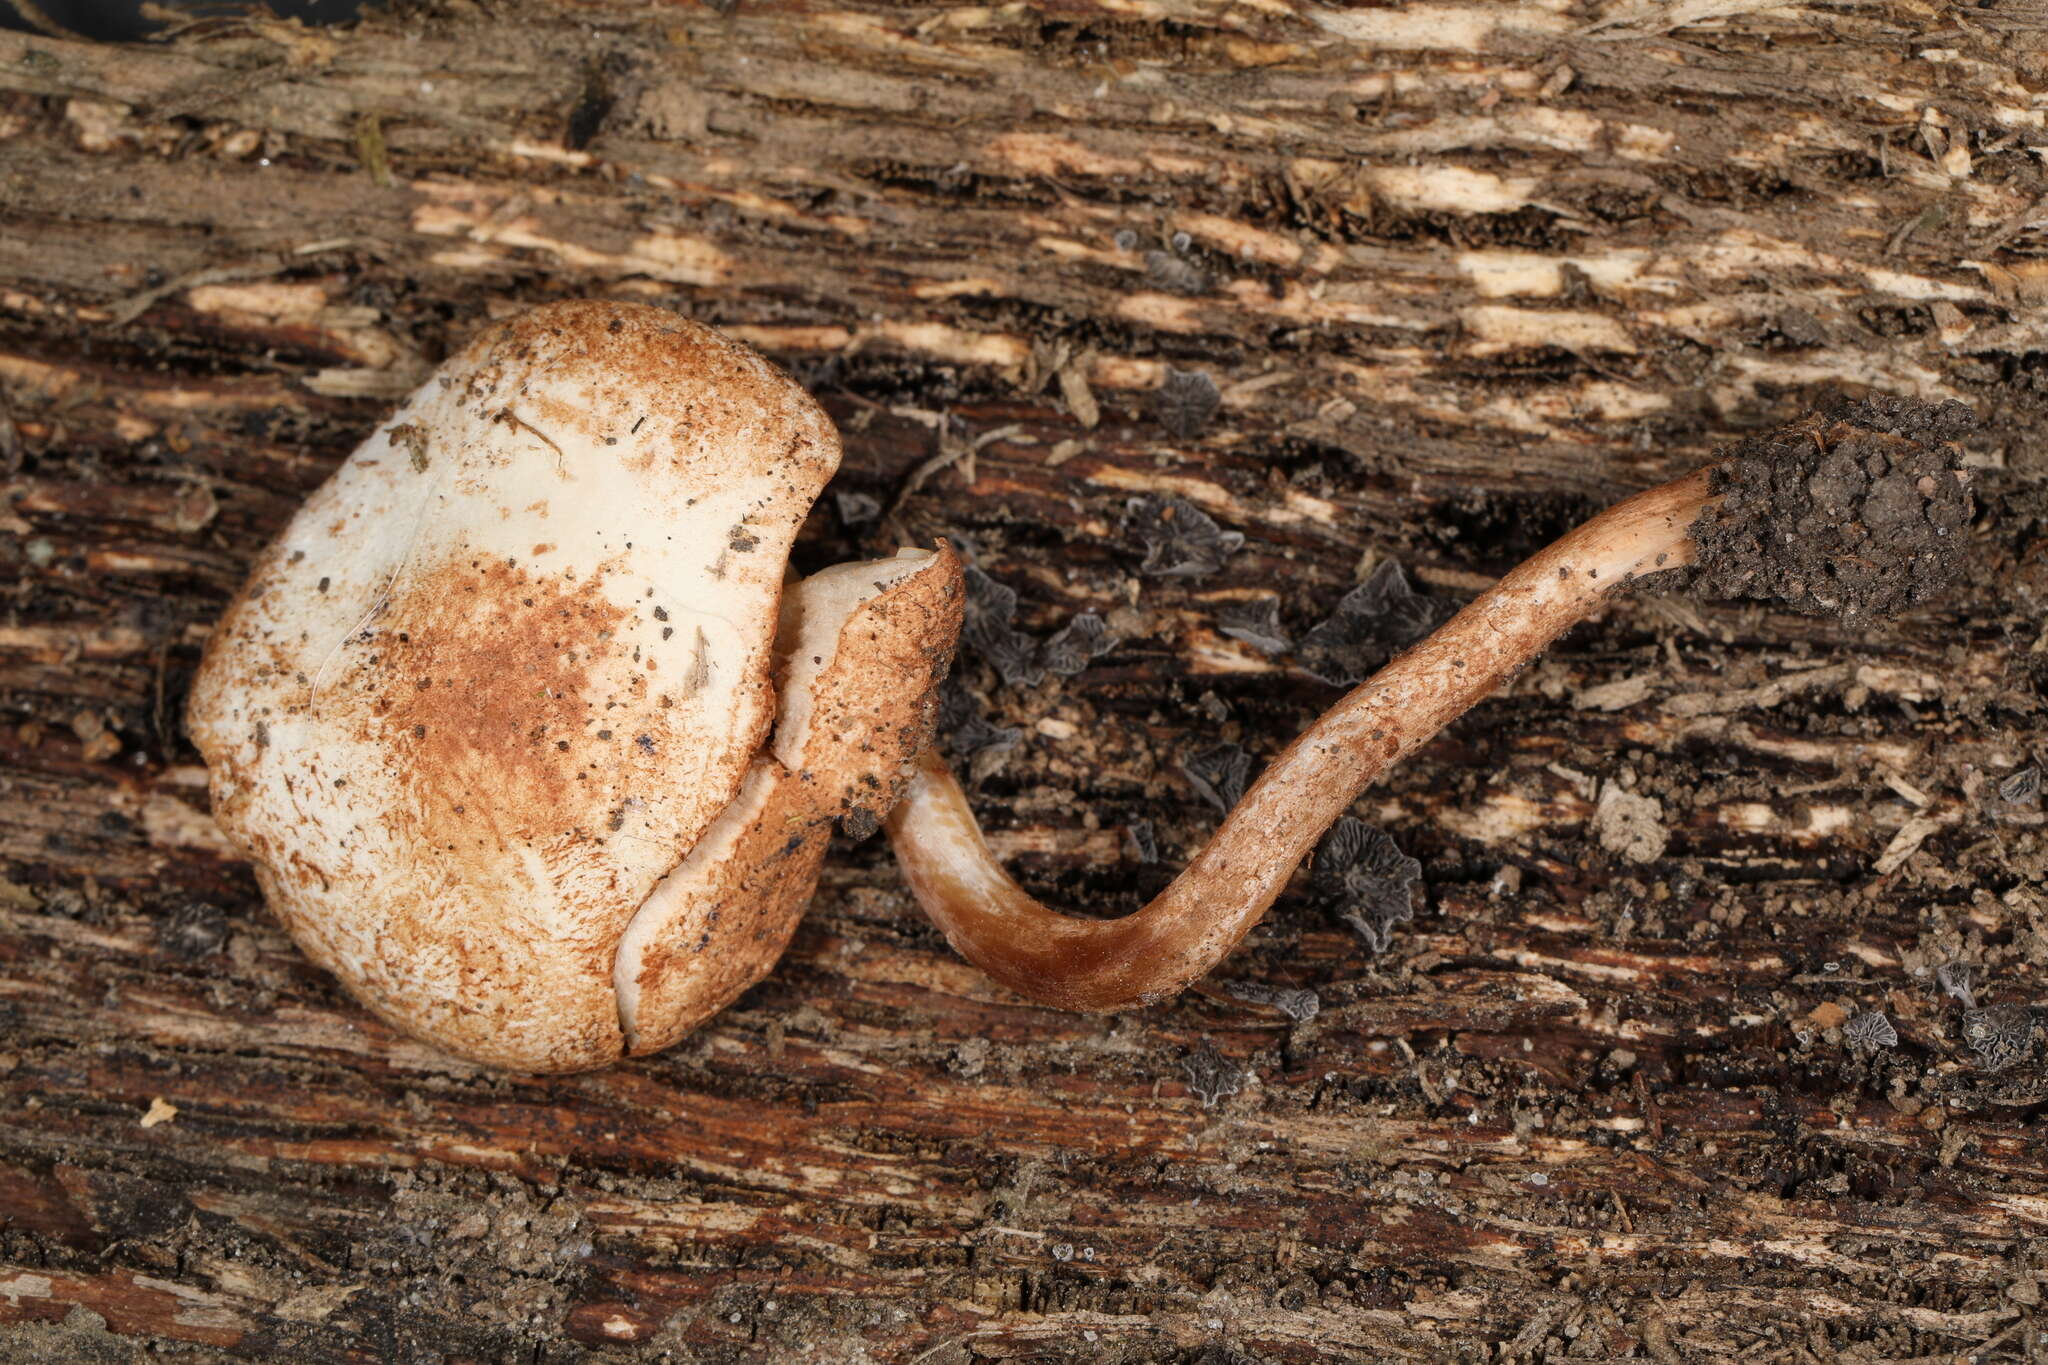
(1860,512)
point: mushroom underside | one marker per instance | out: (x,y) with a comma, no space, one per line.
(863,649)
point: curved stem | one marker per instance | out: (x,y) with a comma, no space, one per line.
(1089,964)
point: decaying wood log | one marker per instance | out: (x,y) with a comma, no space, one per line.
(1421,284)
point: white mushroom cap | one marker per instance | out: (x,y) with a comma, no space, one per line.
(512,663)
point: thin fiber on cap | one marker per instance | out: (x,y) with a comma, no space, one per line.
(1859,512)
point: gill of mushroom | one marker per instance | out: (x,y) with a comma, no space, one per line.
(1860,512)
(523,731)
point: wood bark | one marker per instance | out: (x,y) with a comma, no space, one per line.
(1454,276)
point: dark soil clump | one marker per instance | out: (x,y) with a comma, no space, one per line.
(1859,512)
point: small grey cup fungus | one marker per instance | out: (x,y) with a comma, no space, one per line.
(1862,511)
(526,734)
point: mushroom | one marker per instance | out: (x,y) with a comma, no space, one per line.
(527,738)
(1861,512)
(535,745)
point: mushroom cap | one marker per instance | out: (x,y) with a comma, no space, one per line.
(507,666)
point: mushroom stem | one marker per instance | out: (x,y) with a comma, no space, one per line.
(1093,964)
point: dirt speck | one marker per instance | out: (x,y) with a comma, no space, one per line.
(1630,825)
(1858,512)
(81,1337)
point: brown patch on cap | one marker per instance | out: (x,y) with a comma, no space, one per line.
(484,685)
